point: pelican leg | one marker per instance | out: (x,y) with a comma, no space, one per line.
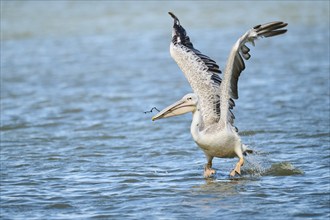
(208,171)
(237,169)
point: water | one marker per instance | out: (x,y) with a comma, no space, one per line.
(77,77)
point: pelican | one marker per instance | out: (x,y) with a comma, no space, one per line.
(212,100)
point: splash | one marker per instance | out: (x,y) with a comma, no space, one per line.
(258,165)
(254,165)
(283,169)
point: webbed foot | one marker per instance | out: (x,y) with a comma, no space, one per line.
(208,171)
(237,169)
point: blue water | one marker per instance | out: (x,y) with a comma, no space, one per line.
(77,77)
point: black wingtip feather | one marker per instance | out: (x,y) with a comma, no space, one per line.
(275,32)
(180,37)
(176,20)
(271,29)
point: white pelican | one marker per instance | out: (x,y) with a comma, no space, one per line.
(212,126)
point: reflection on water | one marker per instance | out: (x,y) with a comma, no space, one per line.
(221,187)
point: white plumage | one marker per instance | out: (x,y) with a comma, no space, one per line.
(211,103)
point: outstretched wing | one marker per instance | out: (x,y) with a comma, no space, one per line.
(235,64)
(201,72)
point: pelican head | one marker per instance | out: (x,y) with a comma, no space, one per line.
(187,104)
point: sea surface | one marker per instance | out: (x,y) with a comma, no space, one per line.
(77,141)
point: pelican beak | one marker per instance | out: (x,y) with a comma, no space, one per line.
(178,108)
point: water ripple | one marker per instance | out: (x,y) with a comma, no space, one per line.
(76,143)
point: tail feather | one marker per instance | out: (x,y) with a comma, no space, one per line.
(247,150)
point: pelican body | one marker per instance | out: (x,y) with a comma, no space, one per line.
(212,100)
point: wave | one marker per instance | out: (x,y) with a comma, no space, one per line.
(255,167)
